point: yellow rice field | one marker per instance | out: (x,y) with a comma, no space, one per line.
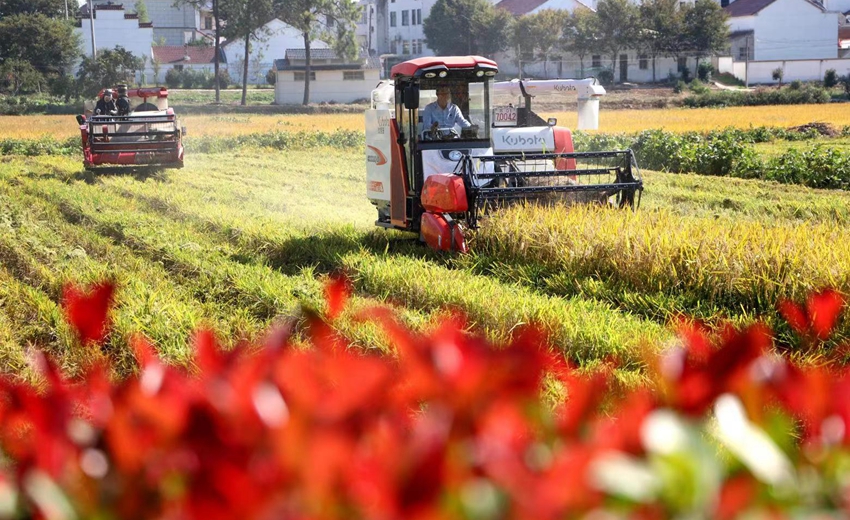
(671,119)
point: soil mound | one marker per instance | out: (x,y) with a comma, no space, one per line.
(824,129)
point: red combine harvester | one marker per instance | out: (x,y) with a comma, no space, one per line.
(437,181)
(149,134)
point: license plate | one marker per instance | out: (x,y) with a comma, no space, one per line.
(504,116)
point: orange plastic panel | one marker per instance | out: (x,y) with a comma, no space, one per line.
(444,193)
(564,144)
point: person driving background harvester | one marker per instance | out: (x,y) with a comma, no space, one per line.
(106,105)
(443,113)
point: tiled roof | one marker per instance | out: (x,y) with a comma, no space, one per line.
(315,54)
(364,63)
(177,54)
(751,7)
(519,7)
(738,34)
(746,7)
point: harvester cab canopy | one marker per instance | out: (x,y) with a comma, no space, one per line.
(150,99)
(440,152)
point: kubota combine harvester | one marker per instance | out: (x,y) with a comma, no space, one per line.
(438,181)
(148,134)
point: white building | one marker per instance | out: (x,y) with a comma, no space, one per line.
(803,38)
(331,79)
(276,36)
(172,25)
(115,27)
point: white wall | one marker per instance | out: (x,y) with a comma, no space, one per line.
(741,23)
(279,37)
(111,30)
(570,67)
(328,87)
(795,29)
(761,72)
(401,33)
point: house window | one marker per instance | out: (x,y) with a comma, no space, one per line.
(178,67)
(208,23)
(417,16)
(683,63)
(329,22)
(405,47)
(299,76)
(596,61)
(643,62)
(392,19)
(394,47)
(405,17)
(416,47)
(353,75)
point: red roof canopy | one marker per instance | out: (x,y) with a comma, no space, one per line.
(409,68)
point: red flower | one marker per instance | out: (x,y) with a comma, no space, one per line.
(819,316)
(88,311)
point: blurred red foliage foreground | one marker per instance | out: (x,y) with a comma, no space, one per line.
(451,427)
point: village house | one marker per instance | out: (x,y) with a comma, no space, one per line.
(173,25)
(186,57)
(332,79)
(116,27)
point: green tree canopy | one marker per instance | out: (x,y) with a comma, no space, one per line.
(332,21)
(579,34)
(618,27)
(111,68)
(661,28)
(245,19)
(467,27)
(49,45)
(705,28)
(49,8)
(142,11)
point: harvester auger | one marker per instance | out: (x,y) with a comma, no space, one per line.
(149,134)
(436,181)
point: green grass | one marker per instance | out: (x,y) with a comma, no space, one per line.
(777,148)
(238,240)
(229,96)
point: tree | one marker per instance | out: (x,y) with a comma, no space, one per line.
(311,18)
(48,45)
(49,8)
(548,25)
(579,34)
(705,28)
(110,68)
(142,11)
(18,76)
(660,24)
(246,19)
(458,27)
(522,40)
(197,4)
(618,26)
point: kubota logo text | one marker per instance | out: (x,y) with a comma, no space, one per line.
(378,158)
(523,141)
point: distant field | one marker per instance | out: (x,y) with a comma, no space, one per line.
(672,119)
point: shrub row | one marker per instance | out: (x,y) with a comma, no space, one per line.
(730,153)
(206,144)
(800,95)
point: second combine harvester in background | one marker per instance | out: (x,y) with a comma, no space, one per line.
(437,181)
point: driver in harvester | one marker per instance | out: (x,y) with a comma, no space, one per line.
(106,105)
(443,113)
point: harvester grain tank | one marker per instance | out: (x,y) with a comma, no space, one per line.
(438,181)
(149,134)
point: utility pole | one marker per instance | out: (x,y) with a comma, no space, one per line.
(747,65)
(369,30)
(91,24)
(66,9)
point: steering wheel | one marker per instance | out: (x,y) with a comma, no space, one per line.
(442,134)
